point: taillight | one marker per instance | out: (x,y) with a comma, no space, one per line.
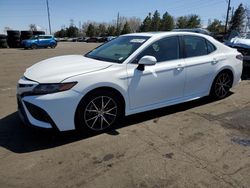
(239,57)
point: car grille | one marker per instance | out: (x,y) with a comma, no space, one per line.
(25,85)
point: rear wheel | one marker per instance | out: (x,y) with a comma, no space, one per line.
(99,111)
(222,85)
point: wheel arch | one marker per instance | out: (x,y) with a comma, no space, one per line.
(224,69)
(102,88)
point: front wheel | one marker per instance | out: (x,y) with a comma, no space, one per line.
(33,46)
(98,112)
(221,85)
(53,45)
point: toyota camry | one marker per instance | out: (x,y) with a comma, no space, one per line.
(131,74)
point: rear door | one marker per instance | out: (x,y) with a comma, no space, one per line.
(201,62)
(44,41)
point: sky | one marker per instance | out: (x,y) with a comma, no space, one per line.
(19,14)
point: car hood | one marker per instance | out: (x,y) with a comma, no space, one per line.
(57,69)
(240,42)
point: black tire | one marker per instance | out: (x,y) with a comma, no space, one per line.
(38,33)
(3,40)
(53,45)
(3,43)
(222,85)
(26,35)
(13,42)
(33,46)
(13,34)
(99,111)
(3,37)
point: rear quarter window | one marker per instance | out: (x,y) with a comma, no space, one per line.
(210,47)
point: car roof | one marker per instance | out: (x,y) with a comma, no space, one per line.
(165,34)
(45,35)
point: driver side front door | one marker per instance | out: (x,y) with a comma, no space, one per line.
(159,84)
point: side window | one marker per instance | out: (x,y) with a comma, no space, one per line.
(47,37)
(210,47)
(195,46)
(41,37)
(163,50)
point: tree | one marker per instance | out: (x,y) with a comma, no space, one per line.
(146,24)
(156,21)
(72,31)
(33,27)
(134,24)
(6,29)
(194,21)
(215,26)
(90,30)
(61,34)
(118,29)
(111,31)
(167,22)
(182,22)
(191,21)
(237,21)
(126,29)
(102,30)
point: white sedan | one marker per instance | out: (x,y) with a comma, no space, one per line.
(131,74)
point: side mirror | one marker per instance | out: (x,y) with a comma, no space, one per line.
(146,60)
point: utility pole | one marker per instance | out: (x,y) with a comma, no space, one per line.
(117,23)
(48,16)
(228,9)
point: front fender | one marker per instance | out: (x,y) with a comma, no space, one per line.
(108,85)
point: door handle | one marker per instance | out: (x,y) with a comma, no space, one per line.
(215,61)
(179,67)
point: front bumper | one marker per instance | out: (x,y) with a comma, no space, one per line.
(27,116)
(56,110)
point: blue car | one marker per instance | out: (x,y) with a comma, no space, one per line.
(40,41)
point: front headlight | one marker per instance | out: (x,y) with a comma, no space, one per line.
(52,88)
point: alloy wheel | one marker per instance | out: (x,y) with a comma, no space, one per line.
(100,113)
(223,85)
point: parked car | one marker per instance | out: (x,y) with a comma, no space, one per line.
(91,39)
(241,42)
(81,39)
(40,41)
(131,74)
(102,39)
(109,38)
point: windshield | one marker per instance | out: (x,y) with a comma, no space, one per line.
(34,37)
(117,50)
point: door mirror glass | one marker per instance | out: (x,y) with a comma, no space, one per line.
(147,60)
